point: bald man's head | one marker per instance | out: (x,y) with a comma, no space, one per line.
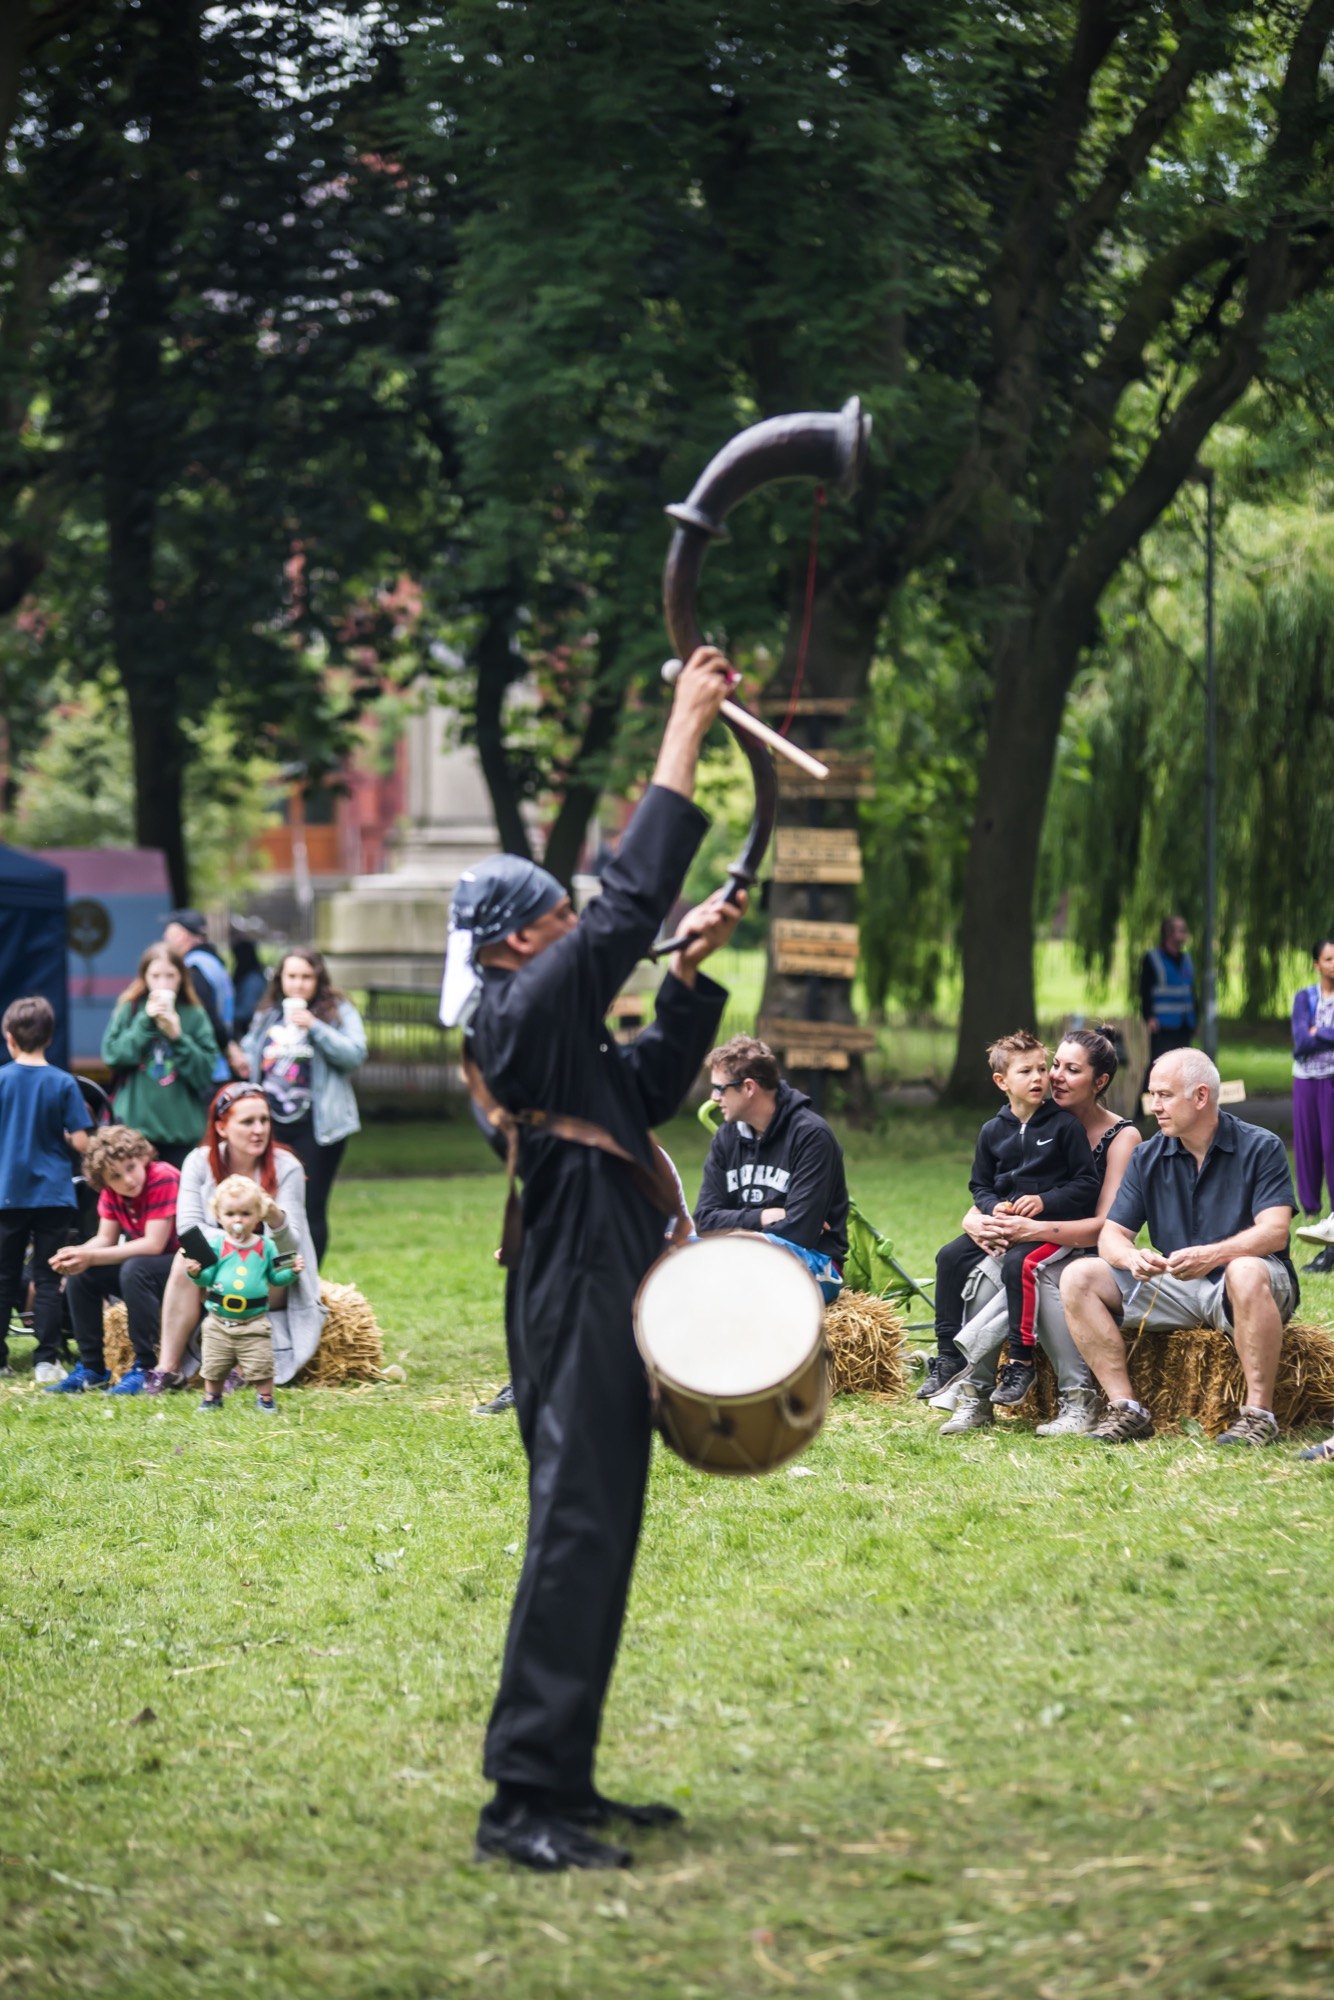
(1183,1089)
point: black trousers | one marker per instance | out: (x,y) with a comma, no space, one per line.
(321,1164)
(140,1281)
(583,1409)
(955,1263)
(49,1230)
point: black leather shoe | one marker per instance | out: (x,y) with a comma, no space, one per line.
(1321,1263)
(499,1406)
(542,1840)
(598,1810)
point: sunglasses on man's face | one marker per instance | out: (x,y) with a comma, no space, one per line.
(717,1091)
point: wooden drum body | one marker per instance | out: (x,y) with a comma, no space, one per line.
(731,1330)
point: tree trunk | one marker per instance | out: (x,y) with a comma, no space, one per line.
(159,774)
(570,826)
(498,667)
(1030,677)
(846,614)
(151,653)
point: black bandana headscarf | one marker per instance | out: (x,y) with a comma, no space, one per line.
(494,898)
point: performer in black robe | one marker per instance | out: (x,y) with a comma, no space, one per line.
(538,1036)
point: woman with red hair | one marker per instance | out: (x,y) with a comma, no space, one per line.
(238,1139)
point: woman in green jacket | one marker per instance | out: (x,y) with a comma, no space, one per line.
(160,1045)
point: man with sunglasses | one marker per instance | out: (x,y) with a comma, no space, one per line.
(774,1165)
(532,983)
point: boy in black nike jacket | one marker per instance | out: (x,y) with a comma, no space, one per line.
(1032,1159)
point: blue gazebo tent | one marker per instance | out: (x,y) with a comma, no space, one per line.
(32,940)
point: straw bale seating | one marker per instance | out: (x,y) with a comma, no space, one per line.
(867,1351)
(1194,1373)
(351,1347)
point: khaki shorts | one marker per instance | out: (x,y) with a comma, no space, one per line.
(244,1344)
(1166,1304)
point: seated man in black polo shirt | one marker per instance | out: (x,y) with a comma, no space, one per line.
(1217,1197)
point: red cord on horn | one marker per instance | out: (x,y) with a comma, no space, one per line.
(808,613)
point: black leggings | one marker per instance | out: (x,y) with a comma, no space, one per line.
(1019,1267)
(50,1230)
(321,1164)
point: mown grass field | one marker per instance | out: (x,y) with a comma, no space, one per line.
(976,1718)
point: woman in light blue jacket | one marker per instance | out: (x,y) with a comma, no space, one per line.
(303,1046)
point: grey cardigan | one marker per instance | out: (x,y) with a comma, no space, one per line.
(298,1326)
(338,1049)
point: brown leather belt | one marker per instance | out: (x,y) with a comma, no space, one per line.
(658,1184)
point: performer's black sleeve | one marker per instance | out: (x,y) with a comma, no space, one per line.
(815,1173)
(664,1059)
(981,1182)
(587,969)
(1077,1196)
(716,1208)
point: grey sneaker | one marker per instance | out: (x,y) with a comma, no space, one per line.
(499,1406)
(1124,1423)
(972,1412)
(1250,1426)
(1015,1381)
(1074,1415)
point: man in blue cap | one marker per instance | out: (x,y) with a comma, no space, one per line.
(533,983)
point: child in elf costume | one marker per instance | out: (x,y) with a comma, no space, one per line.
(237,1331)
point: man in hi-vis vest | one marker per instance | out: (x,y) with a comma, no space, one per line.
(1167,997)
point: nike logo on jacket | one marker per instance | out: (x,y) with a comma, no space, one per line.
(1048,1155)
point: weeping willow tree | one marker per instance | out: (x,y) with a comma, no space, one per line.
(1124,837)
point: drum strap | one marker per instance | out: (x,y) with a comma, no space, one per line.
(657,1184)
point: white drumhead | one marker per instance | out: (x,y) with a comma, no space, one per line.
(730,1315)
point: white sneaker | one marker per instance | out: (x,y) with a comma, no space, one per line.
(47,1372)
(1319,1232)
(948,1398)
(1074,1415)
(973,1414)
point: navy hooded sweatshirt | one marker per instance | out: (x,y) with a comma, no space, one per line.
(796,1164)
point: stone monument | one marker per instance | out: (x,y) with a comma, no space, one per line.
(389,930)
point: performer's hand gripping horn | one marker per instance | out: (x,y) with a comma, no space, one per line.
(828,445)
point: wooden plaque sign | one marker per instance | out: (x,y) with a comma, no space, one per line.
(817,854)
(782,1031)
(808,704)
(810,1055)
(849,778)
(828,949)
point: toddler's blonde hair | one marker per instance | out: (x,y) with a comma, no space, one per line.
(237,1192)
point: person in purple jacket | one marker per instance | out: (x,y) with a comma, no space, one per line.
(1313,1100)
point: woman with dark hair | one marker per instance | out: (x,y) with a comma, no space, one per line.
(239,1140)
(1081,1074)
(160,1045)
(303,1045)
(1313,1101)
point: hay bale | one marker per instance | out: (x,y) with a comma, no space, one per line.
(117,1354)
(867,1352)
(1194,1373)
(351,1347)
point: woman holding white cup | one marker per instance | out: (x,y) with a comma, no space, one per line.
(159,1045)
(304,1043)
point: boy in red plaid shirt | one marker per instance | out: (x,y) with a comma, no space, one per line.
(129,1257)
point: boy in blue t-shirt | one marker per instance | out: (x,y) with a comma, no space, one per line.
(42,1112)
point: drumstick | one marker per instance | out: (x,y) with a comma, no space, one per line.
(743,719)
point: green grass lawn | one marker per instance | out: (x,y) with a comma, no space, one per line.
(970,1718)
